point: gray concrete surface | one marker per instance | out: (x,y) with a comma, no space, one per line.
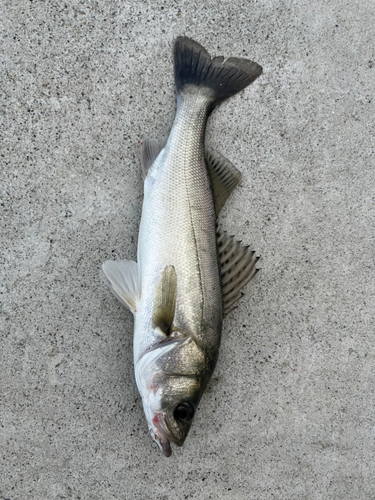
(290,411)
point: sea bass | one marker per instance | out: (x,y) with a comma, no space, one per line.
(189,272)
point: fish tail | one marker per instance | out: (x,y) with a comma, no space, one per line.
(194,66)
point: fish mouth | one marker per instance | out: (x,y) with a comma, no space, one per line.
(163,434)
(163,443)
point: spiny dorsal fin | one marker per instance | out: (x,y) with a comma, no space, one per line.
(150,149)
(224,177)
(237,268)
(124,281)
(165,300)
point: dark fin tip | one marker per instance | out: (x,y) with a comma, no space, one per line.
(193,65)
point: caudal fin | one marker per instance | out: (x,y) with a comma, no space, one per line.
(193,65)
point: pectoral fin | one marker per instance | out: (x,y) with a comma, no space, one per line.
(123,279)
(150,149)
(165,300)
(224,177)
(237,268)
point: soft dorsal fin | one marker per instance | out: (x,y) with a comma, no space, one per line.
(150,149)
(165,300)
(237,268)
(224,177)
(123,279)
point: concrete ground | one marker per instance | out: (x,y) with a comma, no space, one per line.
(290,411)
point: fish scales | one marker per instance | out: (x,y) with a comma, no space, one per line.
(175,289)
(178,211)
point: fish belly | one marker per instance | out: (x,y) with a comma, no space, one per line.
(178,229)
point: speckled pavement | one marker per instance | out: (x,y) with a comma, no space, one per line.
(290,411)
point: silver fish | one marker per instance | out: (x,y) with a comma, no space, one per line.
(189,272)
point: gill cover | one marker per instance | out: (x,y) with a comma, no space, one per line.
(169,381)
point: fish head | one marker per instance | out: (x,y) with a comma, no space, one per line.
(169,379)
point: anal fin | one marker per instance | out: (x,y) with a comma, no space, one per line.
(237,267)
(150,149)
(224,177)
(124,281)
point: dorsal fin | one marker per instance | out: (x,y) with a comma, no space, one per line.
(237,268)
(124,281)
(224,177)
(165,300)
(150,149)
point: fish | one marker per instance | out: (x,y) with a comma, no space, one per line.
(189,272)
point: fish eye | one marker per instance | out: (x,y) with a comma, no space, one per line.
(184,412)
